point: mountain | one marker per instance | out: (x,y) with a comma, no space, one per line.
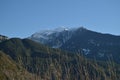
(54,38)
(3,38)
(46,63)
(81,40)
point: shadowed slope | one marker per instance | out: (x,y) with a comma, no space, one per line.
(54,64)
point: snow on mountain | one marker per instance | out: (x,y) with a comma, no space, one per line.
(46,33)
(80,40)
(86,51)
(54,37)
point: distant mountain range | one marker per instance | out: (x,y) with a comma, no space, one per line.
(61,54)
(81,40)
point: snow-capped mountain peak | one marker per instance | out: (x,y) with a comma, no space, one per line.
(80,40)
(51,31)
(54,37)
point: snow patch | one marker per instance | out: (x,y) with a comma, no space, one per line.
(86,51)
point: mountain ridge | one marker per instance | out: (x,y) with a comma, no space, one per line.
(90,43)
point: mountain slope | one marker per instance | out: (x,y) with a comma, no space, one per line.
(93,44)
(10,70)
(80,40)
(55,38)
(54,64)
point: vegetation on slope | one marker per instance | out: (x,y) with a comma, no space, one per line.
(54,64)
(9,70)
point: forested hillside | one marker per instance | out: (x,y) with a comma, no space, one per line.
(53,64)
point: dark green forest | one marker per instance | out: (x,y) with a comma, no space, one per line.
(24,59)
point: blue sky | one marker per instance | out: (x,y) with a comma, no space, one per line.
(21,18)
